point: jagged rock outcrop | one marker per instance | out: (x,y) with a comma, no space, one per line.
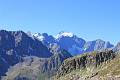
(52,65)
(86,60)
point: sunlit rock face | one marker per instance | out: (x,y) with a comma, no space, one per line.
(93,59)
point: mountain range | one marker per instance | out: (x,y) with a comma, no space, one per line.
(72,43)
(28,56)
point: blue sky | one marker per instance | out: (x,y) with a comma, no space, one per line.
(89,19)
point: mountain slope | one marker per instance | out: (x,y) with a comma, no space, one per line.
(35,68)
(71,43)
(89,66)
(14,45)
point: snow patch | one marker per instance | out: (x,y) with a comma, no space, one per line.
(39,36)
(64,34)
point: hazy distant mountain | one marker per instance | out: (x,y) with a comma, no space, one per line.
(72,43)
(97,45)
(117,47)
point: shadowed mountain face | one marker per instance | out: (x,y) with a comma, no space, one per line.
(16,44)
(20,43)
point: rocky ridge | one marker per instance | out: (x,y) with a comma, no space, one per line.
(88,62)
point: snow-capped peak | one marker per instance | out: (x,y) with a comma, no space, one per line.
(39,36)
(64,34)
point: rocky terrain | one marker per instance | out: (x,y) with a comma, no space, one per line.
(91,66)
(14,45)
(35,68)
(26,56)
